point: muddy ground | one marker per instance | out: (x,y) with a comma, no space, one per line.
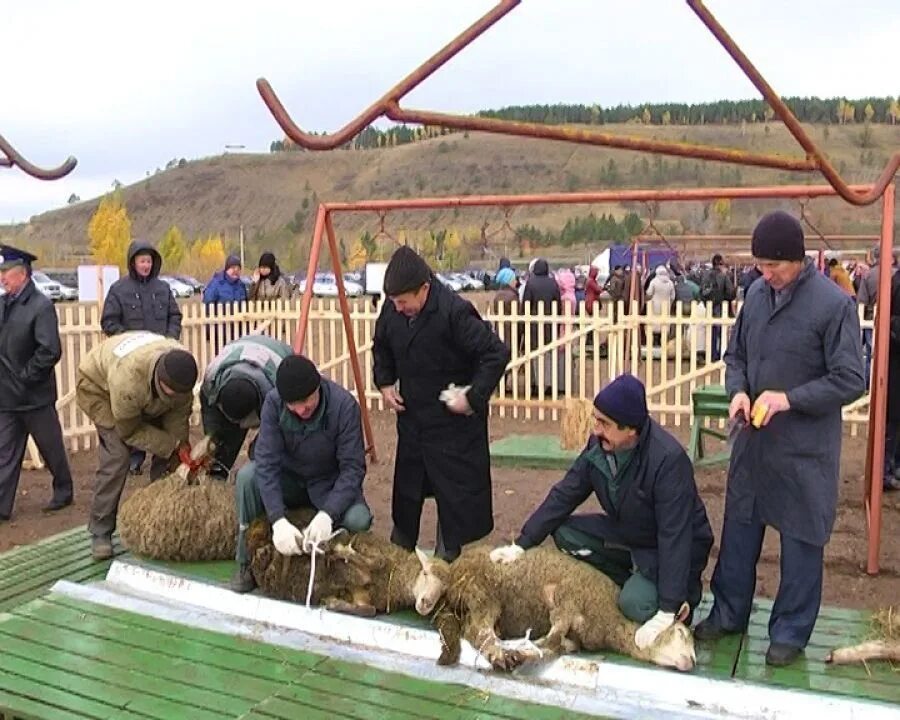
(518,491)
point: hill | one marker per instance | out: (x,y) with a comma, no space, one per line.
(274,195)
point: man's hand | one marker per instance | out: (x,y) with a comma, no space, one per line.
(773,402)
(318,531)
(456,400)
(288,540)
(740,405)
(507,554)
(648,632)
(392,398)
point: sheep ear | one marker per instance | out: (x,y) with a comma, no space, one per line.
(423,558)
(683,612)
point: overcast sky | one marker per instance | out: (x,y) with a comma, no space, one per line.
(125,87)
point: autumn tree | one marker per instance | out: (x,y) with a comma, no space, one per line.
(207,256)
(172,248)
(109,232)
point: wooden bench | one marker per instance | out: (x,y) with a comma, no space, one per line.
(707,402)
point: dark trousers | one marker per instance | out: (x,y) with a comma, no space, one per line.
(43,425)
(734,582)
(891,459)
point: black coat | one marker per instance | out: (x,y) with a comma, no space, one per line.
(136,303)
(439,452)
(541,291)
(659,510)
(808,346)
(893,386)
(29,350)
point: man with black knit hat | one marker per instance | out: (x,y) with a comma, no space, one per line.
(234,386)
(447,362)
(138,389)
(793,361)
(309,453)
(653,538)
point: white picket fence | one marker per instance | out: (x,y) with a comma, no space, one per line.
(582,353)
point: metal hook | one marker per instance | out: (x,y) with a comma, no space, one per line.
(15,159)
(388,106)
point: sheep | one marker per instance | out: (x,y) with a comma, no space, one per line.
(577,424)
(360,573)
(566,603)
(885,644)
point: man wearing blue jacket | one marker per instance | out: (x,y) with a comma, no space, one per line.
(309,453)
(653,538)
(793,361)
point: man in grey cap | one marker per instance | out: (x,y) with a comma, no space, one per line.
(793,361)
(29,350)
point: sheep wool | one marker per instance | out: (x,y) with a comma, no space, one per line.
(577,424)
(171,520)
(884,642)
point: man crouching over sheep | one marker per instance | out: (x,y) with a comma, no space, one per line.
(653,538)
(309,453)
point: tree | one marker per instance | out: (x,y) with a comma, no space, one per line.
(667,118)
(869,112)
(172,248)
(109,232)
(207,256)
(73,198)
(721,209)
(645,116)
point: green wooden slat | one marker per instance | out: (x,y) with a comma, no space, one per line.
(119,676)
(52,569)
(43,563)
(35,587)
(23,551)
(376,706)
(280,709)
(83,707)
(218,571)
(18,707)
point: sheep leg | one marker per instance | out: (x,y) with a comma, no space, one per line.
(479,631)
(449,629)
(876,650)
(348,608)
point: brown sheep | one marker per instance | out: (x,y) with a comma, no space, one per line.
(566,603)
(360,573)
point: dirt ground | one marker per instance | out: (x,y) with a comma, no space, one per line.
(518,491)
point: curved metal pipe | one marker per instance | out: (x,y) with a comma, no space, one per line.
(14,159)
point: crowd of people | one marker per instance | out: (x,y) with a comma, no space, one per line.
(793,361)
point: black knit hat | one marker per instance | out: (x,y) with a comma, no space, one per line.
(625,401)
(267,259)
(178,370)
(778,236)
(297,378)
(405,272)
(239,398)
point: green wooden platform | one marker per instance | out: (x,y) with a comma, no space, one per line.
(531,451)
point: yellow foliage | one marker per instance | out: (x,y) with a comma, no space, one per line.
(357,257)
(172,249)
(109,232)
(207,257)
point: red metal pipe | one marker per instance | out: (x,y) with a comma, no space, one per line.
(351,340)
(379,107)
(585,198)
(15,159)
(315,247)
(878,400)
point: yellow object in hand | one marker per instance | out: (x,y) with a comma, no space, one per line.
(759,414)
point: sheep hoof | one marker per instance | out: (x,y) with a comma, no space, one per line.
(448,657)
(342,606)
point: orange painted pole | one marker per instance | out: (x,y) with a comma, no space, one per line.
(300,335)
(351,341)
(878,401)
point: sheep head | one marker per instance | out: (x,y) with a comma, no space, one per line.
(674,648)
(430,583)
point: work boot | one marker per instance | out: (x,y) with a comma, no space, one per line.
(891,484)
(101,547)
(779,655)
(56,504)
(709,631)
(242,581)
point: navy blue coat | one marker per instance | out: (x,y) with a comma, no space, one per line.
(660,516)
(223,290)
(324,454)
(809,347)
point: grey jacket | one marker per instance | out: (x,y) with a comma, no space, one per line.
(136,303)
(809,347)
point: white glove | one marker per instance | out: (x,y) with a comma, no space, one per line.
(648,632)
(318,530)
(507,553)
(455,399)
(286,537)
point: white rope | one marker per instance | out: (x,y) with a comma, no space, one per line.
(314,550)
(524,643)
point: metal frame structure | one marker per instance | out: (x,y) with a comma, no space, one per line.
(15,159)
(324,228)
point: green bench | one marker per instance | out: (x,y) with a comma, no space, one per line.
(709,401)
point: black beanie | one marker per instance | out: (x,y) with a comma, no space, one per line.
(405,272)
(297,378)
(239,398)
(625,401)
(267,259)
(778,236)
(232,261)
(178,370)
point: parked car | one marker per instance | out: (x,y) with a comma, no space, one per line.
(49,287)
(325,285)
(467,281)
(191,282)
(454,285)
(179,289)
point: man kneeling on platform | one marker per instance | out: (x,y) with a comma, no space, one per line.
(309,453)
(653,538)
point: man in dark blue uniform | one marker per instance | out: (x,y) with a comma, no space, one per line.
(29,350)
(653,538)
(793,361)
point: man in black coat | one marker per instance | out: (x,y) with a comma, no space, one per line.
(542,297)
(793,361)
(29,350)
(653,538)
(141,301)
(428,339)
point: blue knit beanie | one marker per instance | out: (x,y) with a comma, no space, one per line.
(625,401)
(504,277)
